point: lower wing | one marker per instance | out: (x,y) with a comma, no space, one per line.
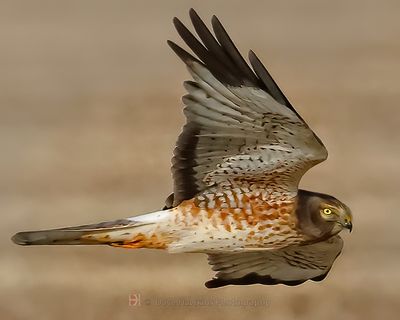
(290,266)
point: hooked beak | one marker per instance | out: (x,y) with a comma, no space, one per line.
(348,225)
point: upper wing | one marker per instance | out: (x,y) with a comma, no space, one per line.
(239,123)
(289,266)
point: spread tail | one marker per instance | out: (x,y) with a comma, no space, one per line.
(129,232)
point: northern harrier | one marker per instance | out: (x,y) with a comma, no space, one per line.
(236,168)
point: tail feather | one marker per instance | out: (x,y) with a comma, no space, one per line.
(100,233)
(134,232)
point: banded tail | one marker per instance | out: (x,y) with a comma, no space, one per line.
(135,232)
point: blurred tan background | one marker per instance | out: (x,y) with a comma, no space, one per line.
(89,113)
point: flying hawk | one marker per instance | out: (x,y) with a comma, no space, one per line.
(236,168)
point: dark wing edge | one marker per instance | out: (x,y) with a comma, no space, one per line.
(290,266)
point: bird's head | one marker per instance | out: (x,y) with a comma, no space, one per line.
(321,214)
(336,212)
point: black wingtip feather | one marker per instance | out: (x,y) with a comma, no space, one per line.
(194,44)
(218,68)
(209,41)
(230,48)
(185,56)
(221,57)
(192,11)
(268,81)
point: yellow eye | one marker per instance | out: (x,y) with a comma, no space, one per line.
(327,211)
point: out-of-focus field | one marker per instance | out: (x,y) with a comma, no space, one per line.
(89,113)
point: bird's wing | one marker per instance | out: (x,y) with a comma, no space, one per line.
(290,266)
(239,123)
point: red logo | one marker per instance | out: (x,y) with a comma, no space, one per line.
(134,299)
